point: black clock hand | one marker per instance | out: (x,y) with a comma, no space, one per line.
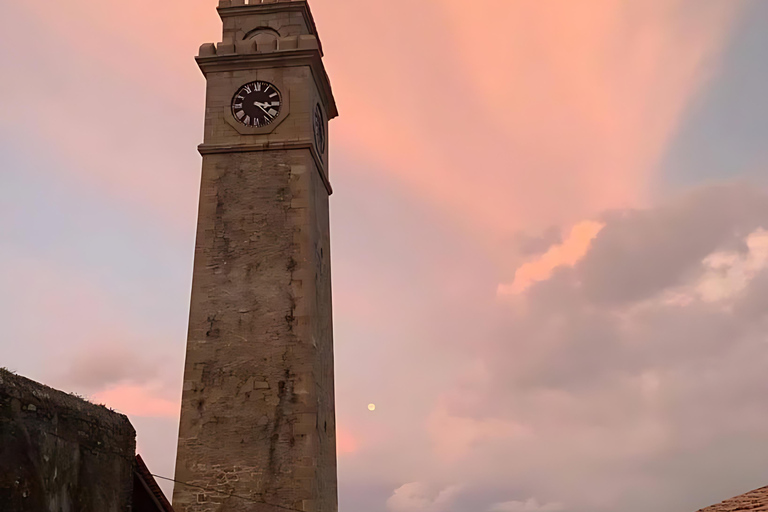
(263,109)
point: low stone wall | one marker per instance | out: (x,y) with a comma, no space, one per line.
(59,453)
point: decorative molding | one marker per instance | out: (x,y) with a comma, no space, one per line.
(219,149)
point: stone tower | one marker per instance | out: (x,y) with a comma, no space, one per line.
(257,428)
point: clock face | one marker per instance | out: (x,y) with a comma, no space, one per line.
(257,104)
(319,129)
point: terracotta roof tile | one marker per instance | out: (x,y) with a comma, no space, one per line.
(755,501)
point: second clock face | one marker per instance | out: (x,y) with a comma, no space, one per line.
(319,126)
(257,104)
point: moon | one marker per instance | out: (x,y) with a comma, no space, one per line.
(371,407)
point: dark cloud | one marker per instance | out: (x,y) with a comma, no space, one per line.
(640,252)
(640,393)
(97,367)
(528,245)
(752,304)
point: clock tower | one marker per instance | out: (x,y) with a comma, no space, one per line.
(257,429)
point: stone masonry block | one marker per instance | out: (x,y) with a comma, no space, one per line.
(207,50)
(288,43)
(308,42)
(225,48)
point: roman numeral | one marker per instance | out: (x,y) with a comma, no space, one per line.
(238,106)
(258,86)
(247,119)
(275,103)
(273,95)
(247,89)
(272,112)
(239,114)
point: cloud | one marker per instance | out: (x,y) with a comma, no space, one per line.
(643,251)
(100,366)
(612,386)
(567,253)
(592,388)
(93,342)
(455,436)
(140,401)
(417,497)
(728,273)
(529,245)
(565,112)
(628,371)
(531,505)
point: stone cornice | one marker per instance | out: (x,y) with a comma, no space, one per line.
(277,59)
(218,149)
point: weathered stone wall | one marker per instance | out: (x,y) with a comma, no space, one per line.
(322,337)
(257,410)
(296,85)
(59,453)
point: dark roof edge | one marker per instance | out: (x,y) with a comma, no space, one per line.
(142,471)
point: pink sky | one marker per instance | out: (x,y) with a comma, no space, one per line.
(543,323)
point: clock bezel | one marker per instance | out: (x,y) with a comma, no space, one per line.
(242,129)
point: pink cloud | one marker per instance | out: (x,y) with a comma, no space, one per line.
(513,114)
(517,114)
(91,340)
(567,253)
(506,116)
(137,401)
(456,436)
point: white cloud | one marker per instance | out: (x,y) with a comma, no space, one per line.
(418,497)
(728,273)
(531,505)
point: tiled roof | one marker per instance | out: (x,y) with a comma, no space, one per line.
(755,501)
